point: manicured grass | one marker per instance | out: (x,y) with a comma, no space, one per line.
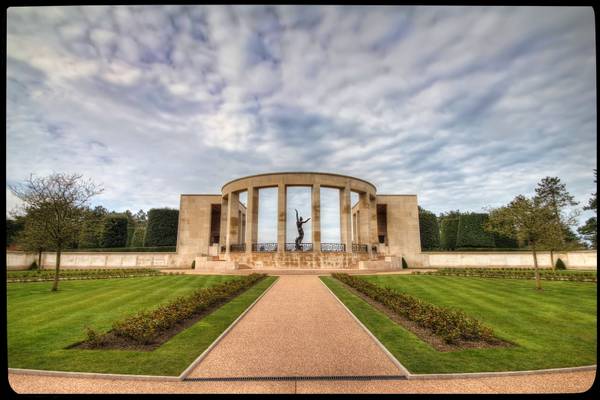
(41,323)
(550,329)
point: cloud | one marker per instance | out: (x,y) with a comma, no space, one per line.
(464,106)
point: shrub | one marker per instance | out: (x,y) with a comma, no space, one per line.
(130,232)
(504,242)
(429,230)
(114,233)
(41,275)
(471,232)
(517,273)
(448,231)
(33,266)
(137,240)
(161,249)
(404,263)
(146,326)
(560,264)
(162,227)
(450,324)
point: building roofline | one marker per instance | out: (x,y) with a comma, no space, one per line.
(298,172)
(395,194)
(194,194)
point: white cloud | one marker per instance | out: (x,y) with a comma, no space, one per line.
(464,106)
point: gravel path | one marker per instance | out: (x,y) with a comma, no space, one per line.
(572,382)
(297,329)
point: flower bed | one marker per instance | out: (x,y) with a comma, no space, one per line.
(146,327)
(66,274)
(516,273)
(451,325)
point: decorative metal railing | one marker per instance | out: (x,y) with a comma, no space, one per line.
(333,247)
(264,247)
(303,247)
(359,248)
(237,247)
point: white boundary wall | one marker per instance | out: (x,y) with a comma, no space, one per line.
(580,259)
(81,260)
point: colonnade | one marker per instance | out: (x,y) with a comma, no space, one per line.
(367,224)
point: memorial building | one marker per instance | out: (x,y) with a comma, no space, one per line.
(219,232)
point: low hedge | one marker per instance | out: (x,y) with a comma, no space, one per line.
(450,324)
(516,273)
(144,327)
(157,249)
(48,274)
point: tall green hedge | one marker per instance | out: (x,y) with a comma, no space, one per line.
(504,242)
(448,232)
(162,227)
(471,232)
(114,233)
(137,240)
(429,229)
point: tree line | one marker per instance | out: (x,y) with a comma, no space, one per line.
(456,230)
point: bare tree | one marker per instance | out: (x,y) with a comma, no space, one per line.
(528,220)
(54,205)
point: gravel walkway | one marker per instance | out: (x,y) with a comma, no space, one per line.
(297,329)
(572,382)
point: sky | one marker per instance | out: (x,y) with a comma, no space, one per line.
(466,107)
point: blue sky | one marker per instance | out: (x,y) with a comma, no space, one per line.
(464,106)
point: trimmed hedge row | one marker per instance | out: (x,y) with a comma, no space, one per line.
(448,232)
(471,232)
(516,273)
(428,229)
(157,249)
(162,227)
(114,232)
(48,274)
(450,324)
(146,326)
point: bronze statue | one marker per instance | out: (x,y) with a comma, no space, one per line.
(299,223)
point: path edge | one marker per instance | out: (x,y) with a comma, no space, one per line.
(393,359)
(411,376)
(194,363)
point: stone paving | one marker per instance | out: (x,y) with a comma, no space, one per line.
(571,382)
(297,329)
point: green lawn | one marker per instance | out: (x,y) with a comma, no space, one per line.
(41,323)
(551,329)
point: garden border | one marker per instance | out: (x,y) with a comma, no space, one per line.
(411,376)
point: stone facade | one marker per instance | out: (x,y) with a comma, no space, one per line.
(391,218)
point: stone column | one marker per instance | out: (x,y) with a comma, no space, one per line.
(251,218)
(374,228)
(223,224)
(345,224)
(232,221)
(316,216)
(364,223)
(281,217)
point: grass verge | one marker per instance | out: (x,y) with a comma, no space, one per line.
(41,324)
(550,329)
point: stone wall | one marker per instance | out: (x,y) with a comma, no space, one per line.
(80,260)
(582,259)
(299,260)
